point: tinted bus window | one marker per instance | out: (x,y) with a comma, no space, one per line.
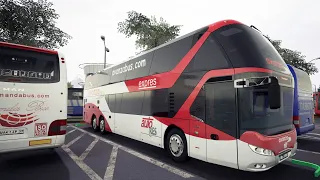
(210,56)
(74,94)
(246,47)
(167,57)
(28,67)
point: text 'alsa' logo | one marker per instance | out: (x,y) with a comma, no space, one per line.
(13,89)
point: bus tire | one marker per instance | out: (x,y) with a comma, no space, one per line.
(176,145)
(94,124)
(102,125)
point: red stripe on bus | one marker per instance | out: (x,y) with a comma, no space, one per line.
(276,143)
(95,110)
(28,48)
(167,79)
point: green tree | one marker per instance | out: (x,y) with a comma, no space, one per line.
(70,85)
(149,31)
(294,58)
(31,23)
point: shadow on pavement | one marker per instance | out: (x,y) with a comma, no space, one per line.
(211,171)
(37,165)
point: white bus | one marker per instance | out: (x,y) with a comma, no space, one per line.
(221,94)
(33,98)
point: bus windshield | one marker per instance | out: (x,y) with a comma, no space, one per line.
(24,66)
(256,115)
(246,47)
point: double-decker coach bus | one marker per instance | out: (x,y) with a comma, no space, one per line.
(33,98)
(221,94)
(75,101)
(303,110)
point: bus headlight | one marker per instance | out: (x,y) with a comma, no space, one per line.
(262,151)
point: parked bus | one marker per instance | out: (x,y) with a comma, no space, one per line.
(33,95)
(316,101)
(75,101)
(221,94)
(303,109)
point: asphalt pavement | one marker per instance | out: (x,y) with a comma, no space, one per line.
(87,155)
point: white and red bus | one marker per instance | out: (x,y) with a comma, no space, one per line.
(33,96)
(221,94)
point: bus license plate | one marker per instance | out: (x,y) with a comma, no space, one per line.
(283,156)
(4,132)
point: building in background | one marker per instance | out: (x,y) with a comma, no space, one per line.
(89,68)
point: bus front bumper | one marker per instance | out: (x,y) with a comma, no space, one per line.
(251,161)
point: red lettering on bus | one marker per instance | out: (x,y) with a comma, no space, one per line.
(147,122)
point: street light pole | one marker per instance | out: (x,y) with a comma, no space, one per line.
(105,51)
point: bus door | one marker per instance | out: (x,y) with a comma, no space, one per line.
(221,120)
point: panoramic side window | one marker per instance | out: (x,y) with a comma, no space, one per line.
(210,56)
(118,102)
(132,103)
(139,66)
(166,58)
(159,102)
(118,73)
(112,102)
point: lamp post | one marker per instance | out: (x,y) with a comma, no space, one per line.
(105,51)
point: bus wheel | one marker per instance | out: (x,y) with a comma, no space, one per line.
(102,126)
(94,124)
(176,145)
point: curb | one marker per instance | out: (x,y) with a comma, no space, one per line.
(308,164)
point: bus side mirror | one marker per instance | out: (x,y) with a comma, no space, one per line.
(274,94)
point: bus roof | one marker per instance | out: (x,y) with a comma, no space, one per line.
(212,27)
(296,71)
(28,48)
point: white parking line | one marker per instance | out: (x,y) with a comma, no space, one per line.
(85,168)
(316,134)
(71,131)
(74,140)
(309,137)
(89,148)
(111,164)
(312,152)
(142,156)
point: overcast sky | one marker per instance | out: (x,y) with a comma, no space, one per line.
(296,23)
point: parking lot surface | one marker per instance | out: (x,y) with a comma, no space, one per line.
(87,155)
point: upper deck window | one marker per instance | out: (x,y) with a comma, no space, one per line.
(246,47)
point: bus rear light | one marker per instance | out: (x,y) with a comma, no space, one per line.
(296,121)
(58,127)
